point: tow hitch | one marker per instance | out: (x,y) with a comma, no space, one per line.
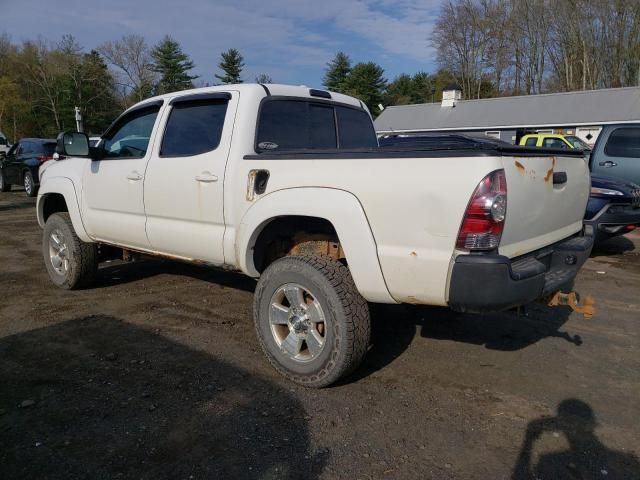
(573,300)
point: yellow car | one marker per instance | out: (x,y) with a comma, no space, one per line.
(550,140)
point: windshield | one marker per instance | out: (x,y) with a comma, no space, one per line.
(577,143)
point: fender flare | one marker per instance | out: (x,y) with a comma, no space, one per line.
(62,186)
(342,209)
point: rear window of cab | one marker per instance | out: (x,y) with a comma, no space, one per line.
(285,125)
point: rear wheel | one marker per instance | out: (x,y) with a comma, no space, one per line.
(29,185)
(4,186)
(71,263)
(312,323)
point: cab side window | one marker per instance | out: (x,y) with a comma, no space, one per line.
(193,128)
(532,142)
(129,137)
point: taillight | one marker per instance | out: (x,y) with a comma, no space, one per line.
(483,220)
(44,158)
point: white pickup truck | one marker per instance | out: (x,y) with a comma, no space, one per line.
(288,185)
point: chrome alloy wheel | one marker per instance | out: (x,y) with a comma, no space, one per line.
(58,252)
(27,184)
(298,323)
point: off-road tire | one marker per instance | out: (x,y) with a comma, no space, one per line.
(348,326)
(33,189)
(82,256)
(4,186)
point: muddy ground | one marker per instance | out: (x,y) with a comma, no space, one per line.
(156,373)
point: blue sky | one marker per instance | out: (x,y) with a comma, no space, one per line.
(291,40)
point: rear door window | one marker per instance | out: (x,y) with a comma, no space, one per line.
(194,128)
(623,142)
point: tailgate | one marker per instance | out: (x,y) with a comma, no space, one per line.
(542,208)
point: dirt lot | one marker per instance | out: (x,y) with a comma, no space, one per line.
(156,373)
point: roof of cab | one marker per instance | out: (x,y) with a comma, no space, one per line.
(260,89)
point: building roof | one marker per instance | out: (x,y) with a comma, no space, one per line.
(590,107)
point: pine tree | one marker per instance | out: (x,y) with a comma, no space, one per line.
(173,65)
(231,66)
(366,82)
(336,72)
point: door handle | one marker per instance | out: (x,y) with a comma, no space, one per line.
(135,176)
(608,164)
(206,177)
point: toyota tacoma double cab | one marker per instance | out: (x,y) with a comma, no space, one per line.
(289,186)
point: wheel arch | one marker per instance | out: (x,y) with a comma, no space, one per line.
(335,211)
(54,196)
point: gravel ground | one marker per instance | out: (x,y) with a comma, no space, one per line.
(156,373)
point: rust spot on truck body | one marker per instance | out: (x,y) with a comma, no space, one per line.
(520,167)
(549,174)
(314,244)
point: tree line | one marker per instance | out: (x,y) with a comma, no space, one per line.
(41,83)
(515,47)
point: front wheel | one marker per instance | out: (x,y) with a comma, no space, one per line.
(71,263)
(311,321)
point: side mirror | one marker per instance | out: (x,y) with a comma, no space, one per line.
(73,144)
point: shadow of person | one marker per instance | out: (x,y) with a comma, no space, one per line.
(586,457)
(100,398)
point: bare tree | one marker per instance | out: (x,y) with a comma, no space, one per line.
(461,36)
(132,57)
(532,46)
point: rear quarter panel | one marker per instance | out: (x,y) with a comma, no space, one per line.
(414,207)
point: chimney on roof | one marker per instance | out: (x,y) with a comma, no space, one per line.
(451,94)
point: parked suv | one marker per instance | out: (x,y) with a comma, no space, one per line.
(613,208)
(21,164)
(617,152)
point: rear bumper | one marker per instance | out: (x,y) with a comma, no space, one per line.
(612,220)
(484,283)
